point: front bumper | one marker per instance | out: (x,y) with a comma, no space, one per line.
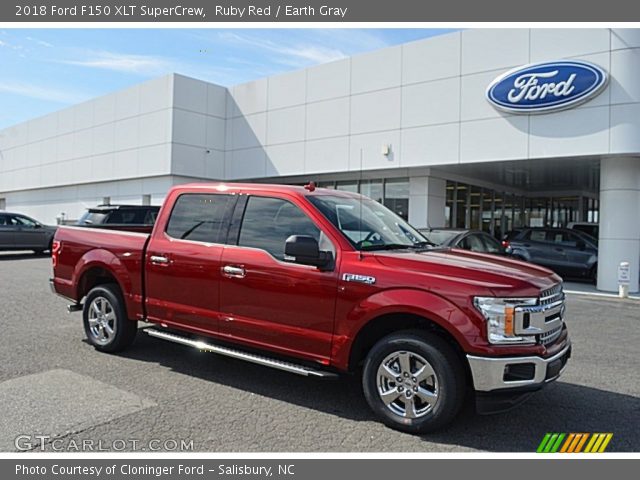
(504,373)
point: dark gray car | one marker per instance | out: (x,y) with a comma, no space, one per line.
(474,240)
(19,232)
(569,253)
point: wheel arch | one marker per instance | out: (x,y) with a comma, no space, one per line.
(99,267)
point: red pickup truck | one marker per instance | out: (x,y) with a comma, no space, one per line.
(322,282)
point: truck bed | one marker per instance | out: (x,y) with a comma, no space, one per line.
(87,253)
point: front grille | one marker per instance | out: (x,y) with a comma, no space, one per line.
(551,336)
(551,295)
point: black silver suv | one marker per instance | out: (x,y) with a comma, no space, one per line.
(112,216)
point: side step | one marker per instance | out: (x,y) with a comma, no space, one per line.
(239,354)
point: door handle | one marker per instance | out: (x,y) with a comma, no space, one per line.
(234,271)
(159,260)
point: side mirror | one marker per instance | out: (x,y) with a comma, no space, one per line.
(304,250)
(37,225)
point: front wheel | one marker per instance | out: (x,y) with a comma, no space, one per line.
(105,320)
(414,381)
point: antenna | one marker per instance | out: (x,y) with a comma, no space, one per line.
(360,256)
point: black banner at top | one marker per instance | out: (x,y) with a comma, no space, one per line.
(317,11)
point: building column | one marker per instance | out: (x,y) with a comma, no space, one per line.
(427,200)
(619,221)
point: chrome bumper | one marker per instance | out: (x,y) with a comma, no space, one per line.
(489,373)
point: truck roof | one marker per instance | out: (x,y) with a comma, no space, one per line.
(263,187)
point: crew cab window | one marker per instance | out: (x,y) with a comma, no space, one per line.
(268,222)
(199,218)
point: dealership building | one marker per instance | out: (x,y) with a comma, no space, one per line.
(416,126)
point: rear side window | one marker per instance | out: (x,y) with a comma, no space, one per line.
(268,222)
(200,218)
(537,235)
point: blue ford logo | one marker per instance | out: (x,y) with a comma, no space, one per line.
(546,87)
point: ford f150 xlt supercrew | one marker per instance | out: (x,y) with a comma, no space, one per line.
(322,282)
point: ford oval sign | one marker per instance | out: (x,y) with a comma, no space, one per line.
(546,87)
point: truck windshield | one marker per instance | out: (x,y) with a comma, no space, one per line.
(367,224)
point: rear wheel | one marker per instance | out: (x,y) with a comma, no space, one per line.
(105,320)
(414,381)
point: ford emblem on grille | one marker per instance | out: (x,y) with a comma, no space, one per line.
(546,87)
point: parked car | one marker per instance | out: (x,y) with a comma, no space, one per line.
(569,253)
(19,232)
(474,240)
(117,217)
(320,282)
(589,228)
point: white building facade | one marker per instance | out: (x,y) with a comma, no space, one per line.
(408,125)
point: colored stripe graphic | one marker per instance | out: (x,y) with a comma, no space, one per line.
(568,442)
(543,443)
(581,443)
(592,440)
(574,442)
(605,443)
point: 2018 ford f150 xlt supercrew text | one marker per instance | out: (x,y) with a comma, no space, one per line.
(322,282)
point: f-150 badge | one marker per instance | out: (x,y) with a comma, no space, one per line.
(354,277)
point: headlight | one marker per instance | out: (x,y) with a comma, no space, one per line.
(500,316)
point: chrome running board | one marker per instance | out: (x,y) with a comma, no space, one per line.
(240,355)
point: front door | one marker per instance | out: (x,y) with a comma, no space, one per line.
(183,263)
(28,233)
(268,302)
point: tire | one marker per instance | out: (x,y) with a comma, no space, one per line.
(593,274)
(105,319)
(435,399)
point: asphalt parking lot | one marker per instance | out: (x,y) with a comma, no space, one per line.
(162,395)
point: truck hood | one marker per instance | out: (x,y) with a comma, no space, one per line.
(499,274)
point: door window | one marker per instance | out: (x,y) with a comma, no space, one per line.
(537,235)
(200,218)
(491,244)
(565,239)
(22,221)
(268,222)
(473,243)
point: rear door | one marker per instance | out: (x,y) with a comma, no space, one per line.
(580,254)
(183,262)
(539,244)
(7,232)
(267,301)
